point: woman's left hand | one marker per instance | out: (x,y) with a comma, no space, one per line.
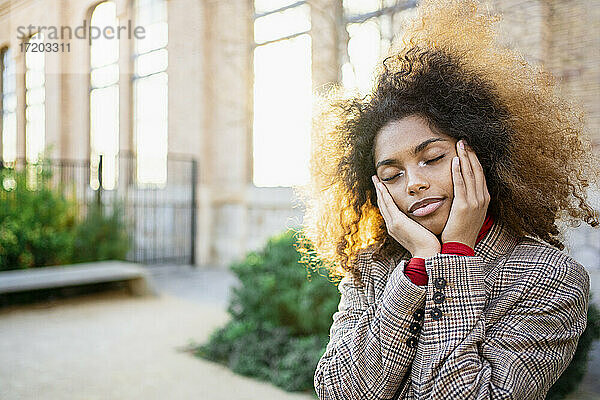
(471,199)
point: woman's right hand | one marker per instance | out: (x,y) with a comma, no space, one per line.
(414,237)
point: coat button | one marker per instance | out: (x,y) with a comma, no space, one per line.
(419,314)
(438,297)
(436,313)
(412,342)
(414,328)
(439,283)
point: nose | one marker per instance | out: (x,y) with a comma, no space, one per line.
(416,182)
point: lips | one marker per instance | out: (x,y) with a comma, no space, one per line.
(424,202)
(427,208)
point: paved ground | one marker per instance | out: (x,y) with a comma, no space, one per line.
(114,346)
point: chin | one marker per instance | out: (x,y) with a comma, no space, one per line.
(435,222)
(434,225)
(437,230)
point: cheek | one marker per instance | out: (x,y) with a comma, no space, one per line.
(446,181)
(398,199)
(399,203)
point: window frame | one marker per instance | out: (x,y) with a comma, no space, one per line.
(26,69)
(3,112)
(135,78)
(94,179)
(253,47)
(361,18)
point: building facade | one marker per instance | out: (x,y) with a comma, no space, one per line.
(194,80)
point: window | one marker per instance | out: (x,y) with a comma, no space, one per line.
(35,98)
(282,92)
(9,107)
(104,98)
(150,93)
(372,25)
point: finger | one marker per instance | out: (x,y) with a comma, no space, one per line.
(375,185)
(480,183)
(374,181)
(466,169)
(381,203)
(457,180)
(383,193)
(393,210)
(475,168)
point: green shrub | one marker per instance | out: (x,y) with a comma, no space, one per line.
(296,368)
(39,224)
(575,372)
(275,290)
(268,353)
(102,235)
(281,319)
(36,222)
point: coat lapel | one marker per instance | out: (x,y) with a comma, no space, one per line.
(493,249)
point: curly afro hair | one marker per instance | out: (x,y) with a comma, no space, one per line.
(449,70)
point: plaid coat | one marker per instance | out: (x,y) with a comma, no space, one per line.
(503,324)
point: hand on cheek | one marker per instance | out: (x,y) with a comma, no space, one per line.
(419,241)
(471,198)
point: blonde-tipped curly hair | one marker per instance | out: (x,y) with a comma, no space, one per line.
(450,70)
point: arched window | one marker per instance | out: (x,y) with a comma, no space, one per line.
(104,97)
(282,92)
(9,107)
(150,93)
(371,27)
(35,98)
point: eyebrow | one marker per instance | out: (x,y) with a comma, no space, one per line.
(418,148)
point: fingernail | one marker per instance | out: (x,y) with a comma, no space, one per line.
(461,144)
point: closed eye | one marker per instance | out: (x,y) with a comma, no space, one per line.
(435,159)
(389,179)
(426,162)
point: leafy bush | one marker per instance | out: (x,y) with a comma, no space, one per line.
(39,226)
(275,290)
(280,317)
(101,235)
(280,321)
(35,225)
(296,368)
(575,372)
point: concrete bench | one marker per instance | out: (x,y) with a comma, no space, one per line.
(75,275)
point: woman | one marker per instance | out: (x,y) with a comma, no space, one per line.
(436,198)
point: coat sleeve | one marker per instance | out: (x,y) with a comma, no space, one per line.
(371,346)
(529,343)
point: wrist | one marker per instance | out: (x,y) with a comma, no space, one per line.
(470,243)
(457,248)
(425,253)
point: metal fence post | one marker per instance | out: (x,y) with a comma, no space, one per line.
(194,206)
(99,192)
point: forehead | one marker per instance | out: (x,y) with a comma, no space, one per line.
(399,138)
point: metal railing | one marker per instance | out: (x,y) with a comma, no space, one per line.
(160,217)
